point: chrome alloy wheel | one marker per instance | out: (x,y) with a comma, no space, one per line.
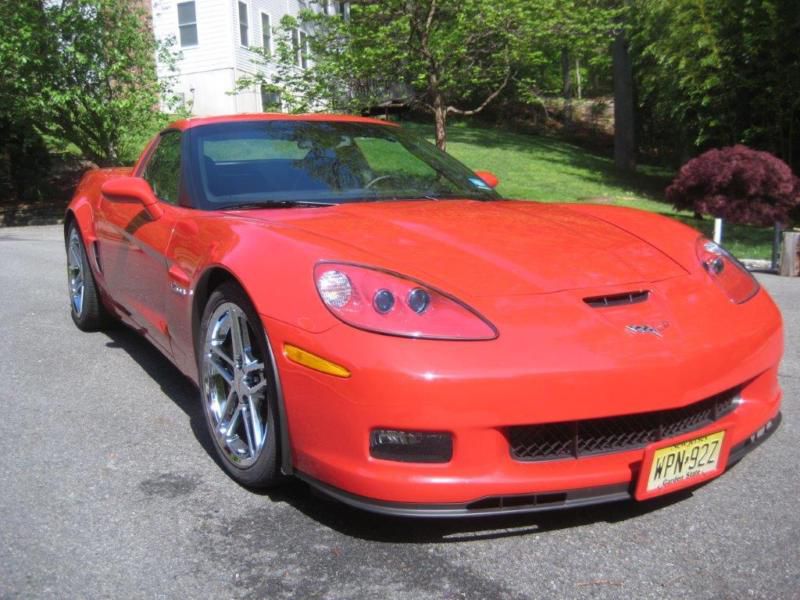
(75,273)
(234,386)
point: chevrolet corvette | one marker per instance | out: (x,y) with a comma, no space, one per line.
(363,312)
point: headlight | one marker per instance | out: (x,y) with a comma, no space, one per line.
(727,272)
(390,303)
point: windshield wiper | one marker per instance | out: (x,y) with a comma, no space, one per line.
(274,204)
(435,196)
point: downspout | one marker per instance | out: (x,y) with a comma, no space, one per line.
(232,30)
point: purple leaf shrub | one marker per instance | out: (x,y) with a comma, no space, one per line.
(738,184)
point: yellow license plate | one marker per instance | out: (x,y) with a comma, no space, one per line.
(685,463)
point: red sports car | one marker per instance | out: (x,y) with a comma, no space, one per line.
(362,311)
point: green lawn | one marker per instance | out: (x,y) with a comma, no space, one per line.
(543,168)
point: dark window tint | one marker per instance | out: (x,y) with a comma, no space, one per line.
(266,33)
(296,46)
(263,162)
(187,24)
(244,39)
(270,99)
(303,50)
(163,171)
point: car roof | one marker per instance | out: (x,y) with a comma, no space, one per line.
(191,122)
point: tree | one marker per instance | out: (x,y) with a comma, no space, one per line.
(23,155)
(451,57)
(564,51)
(334,80)
(456,55)
(624,111)
(81,72)
(582,31)
(452,47)
(738,184)
(716,73)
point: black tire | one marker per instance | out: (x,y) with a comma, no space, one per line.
(254,470)
(88,314)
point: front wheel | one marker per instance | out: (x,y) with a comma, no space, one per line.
(238,388)
(86,307)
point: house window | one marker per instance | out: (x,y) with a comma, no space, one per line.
(296,46)
(270,100)
(303,50)
(244,40)
(187,24)
(266,33)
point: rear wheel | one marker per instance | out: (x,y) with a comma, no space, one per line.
(238,388)
(86,307)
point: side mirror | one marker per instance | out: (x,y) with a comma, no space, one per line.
(133,188)
(488,178)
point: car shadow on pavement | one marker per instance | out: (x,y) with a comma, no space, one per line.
(364,525)
(357,523)
(175,385)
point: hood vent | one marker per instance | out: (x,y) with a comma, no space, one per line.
(618,299)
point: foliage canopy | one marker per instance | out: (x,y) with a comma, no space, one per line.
(714,73)
(81,72)
(449,57)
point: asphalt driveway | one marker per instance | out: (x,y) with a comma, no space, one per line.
(108,489)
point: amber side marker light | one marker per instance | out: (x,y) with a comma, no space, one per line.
(312,361)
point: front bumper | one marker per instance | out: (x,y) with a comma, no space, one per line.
(519,504)
(477,390)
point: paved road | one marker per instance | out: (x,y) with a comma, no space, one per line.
(107,489)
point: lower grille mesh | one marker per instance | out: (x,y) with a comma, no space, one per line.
(573,439)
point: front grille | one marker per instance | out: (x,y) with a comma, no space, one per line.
(572,439)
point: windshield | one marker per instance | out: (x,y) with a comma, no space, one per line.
(321,162)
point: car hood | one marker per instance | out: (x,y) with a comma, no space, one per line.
(487,248)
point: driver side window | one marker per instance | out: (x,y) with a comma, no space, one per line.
(163,170)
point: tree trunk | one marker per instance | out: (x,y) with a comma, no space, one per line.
(566,77)
(624,142)
(566,74)
(440,117)
(790,254)
(777,234)
(578,81)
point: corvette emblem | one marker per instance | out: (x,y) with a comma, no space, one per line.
(656,330)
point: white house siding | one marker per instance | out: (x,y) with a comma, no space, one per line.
(207,73)
(249,62)
(246,61)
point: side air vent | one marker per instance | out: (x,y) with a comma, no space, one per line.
(96,249)
(617,299)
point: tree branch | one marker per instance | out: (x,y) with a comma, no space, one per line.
(429,20)
(489,98)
